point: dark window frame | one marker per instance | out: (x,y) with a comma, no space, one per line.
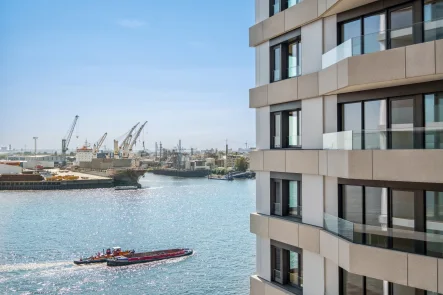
(284,56)
(420,219)
(283,6)
(418,117)
(284,129)
(417,17)
(284,197)
(365,291)
(285,265)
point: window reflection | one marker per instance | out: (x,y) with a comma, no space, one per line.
(375,124)
(402,122)
(294,199)
(295,269)
(294,128)
(434,222)
(434,121)
(277,130)
(401,27)
(352,121)
(294,60)
(374,27)
(277,64)
(403,218)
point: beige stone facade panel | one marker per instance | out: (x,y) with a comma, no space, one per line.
(283,91)
(422,272)
(420,59)
(258,97)
(378,67)
(275,161)
(302,161)
(257,286)
(329,246)
(309,238)
(256,34)
(259,225)
(327,80)
(439,56)
(408,165)
(382,264)
(308,86)
(284,231)
(300,14)
(256,160)
(274,26)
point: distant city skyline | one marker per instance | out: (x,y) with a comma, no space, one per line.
(115,64)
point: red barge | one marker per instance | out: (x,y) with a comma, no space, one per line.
(148,257)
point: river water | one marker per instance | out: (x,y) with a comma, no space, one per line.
(42,232)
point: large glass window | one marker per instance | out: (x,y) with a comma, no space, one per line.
(286,129)
(375,112)
(276,71)
(294,198)
(277,130)
(294,68)
(295,269)
(401,27)
(374,27)
(434,121)
(376,215)
(402,122)
(294,138)
(353,203)
(403,218)
(352,284)
(434,223)
(275,6)
(352,122)
(433,16)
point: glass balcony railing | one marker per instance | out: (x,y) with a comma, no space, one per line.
(277,76)
(294,71)
(379,41)
(378,236)
(294,140)
(406,138)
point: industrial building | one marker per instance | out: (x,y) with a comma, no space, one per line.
(349,161)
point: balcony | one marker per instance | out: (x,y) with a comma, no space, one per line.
(380,41)
(406,138)
(382,236)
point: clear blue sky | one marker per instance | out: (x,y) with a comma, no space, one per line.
(185,66)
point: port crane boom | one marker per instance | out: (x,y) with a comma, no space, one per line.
(99,143)
(67,140)
(128,137)
(136,136)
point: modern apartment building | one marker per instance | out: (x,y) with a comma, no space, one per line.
(349,159)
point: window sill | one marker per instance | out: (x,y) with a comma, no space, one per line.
(284,79)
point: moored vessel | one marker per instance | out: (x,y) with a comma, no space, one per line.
(145,257)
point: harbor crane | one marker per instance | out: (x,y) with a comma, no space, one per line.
(131,145)
(67,139)
(99,144)
(125,143)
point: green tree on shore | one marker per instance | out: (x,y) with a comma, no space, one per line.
(241,164)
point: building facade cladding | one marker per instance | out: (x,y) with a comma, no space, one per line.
(349,134)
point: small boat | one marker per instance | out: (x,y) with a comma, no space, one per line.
(101,258)
(148,257)
(218,177)
(125,188)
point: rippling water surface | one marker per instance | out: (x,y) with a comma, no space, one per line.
(42,232)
